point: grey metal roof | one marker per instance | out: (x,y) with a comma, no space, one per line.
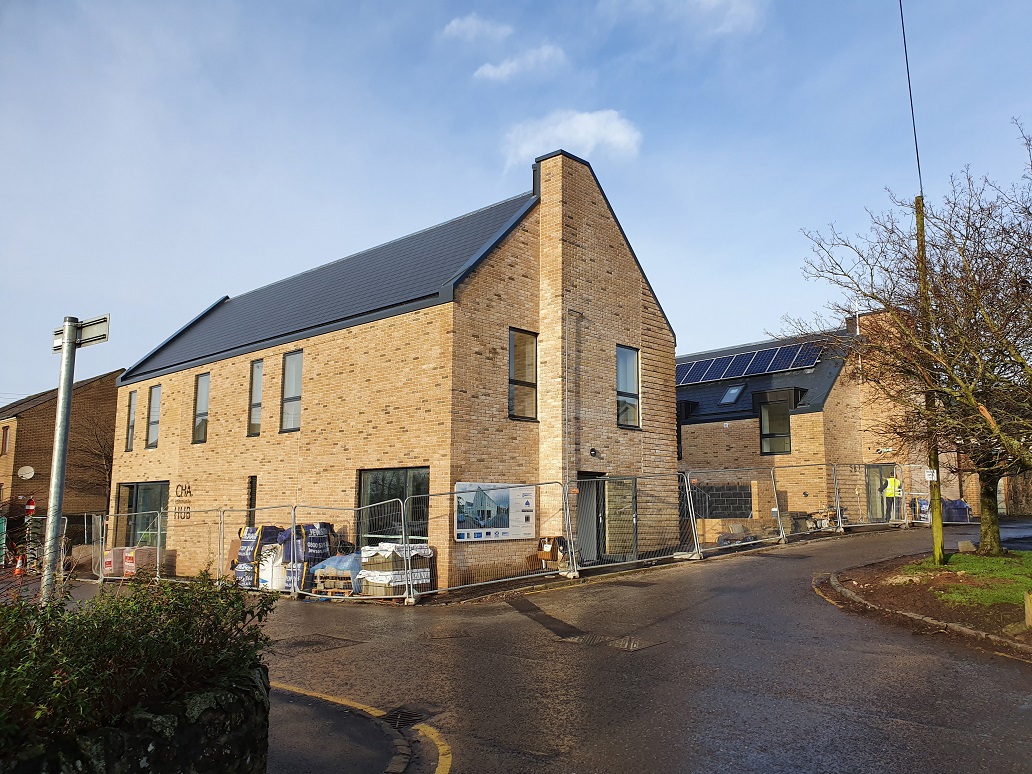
(413,272)
(816,383)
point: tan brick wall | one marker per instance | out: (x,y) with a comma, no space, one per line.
(430,388)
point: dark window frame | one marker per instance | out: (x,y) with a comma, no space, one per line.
(130,425)
(735,392)
(513,382)
(153,423)
(252,499)
(284,398)
(253,405)
(5,441)
(768,436)
(626,395)
(197,413)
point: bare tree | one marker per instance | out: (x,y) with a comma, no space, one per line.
(966,341)
(90,455)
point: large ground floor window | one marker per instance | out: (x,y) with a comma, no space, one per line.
(142,502)
(382,523)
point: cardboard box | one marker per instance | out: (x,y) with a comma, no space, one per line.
(549,550)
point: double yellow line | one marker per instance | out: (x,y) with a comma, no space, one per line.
(444,753)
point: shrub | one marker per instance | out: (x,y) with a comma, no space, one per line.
(70,669)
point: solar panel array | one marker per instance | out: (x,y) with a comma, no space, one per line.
(761,361)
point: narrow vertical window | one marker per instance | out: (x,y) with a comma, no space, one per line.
(627,390)
(153,416)
(290,416)
(5,442)
(252,498)
(202,389)
(522,374)
(254,411)
(130,427)
(775,428)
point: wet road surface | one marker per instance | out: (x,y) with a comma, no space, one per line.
(730,664)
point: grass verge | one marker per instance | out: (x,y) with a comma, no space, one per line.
(980,580)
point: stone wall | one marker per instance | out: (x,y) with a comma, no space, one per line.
(218,732)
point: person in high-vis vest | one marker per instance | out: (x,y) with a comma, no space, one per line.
(892,488)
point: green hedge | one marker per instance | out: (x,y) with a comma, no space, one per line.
(70,669)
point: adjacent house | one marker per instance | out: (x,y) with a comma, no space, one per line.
(778,428)
(26,452)
(519,343)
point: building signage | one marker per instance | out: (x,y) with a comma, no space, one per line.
(494,512)
(181,506)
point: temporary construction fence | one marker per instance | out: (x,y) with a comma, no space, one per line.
(918,498)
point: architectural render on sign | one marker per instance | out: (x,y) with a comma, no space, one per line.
(27,441)
(502,346)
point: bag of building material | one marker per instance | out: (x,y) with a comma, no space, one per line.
(308,543)
(253,542)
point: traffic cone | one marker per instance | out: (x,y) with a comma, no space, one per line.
(19,565)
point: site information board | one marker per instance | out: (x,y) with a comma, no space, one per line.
(494,511)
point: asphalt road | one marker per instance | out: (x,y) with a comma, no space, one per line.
(730,664)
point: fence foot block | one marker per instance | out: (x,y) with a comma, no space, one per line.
(685,555)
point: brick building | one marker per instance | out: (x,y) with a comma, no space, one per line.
(787,405)
(27,441)
(520,343)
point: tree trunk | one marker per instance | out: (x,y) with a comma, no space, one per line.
(989,537)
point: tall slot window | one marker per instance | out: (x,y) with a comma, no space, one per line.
(153,416)
(130,428)
(252,498)
(628,412)
(6,441)
(775,428)
(254,411)
(202,388)
(290,416)
(522,374)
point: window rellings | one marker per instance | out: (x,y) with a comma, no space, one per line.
(153,415)
(627,390)
(775,429)
(522,374)
(254,411)
(200,420)
(290,417)
(130,428)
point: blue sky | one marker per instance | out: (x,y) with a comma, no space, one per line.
(155,156)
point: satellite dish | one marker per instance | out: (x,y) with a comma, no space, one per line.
(26,472)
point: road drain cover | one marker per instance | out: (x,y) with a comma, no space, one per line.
(630,644)
(587,639)
(402,718)
(310,643)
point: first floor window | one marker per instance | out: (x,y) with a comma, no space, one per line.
(522,374)
(153,416)
(130,429)
(775,428)
(290,417)
(254,411)
(200,422)
(143,509)
(380,512)
(627,389)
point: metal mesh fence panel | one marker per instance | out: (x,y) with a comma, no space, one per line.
(191,542)
(369,526)
(621,520)
(35,543)
(733,507)
(918,493)
(274,519)
(862,496)
(806,498)
(495,533)
(122,532)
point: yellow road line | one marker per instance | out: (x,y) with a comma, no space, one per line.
(824,596)
(444,753)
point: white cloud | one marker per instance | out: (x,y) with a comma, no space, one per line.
(540,58)
(472,27)
(704,17)
(579,133)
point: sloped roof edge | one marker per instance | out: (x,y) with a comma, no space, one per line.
(32,401)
